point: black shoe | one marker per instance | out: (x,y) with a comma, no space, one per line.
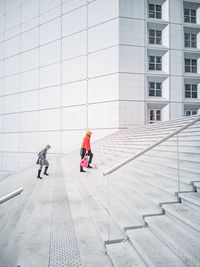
(81,169)
(45,171)
(90,167)
(39,172)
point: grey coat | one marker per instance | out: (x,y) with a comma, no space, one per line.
(42,158)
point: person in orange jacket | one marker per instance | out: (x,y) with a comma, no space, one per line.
(86,149)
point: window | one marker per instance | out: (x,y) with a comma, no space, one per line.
(190,40)
(155,11)
(155,89)
(191,65)
(190,112)
(191,90)
(154,115)
(155,37)
(155,63)
(189,15)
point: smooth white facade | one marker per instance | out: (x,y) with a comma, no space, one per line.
(69,65)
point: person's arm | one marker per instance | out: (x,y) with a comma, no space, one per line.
(42,154)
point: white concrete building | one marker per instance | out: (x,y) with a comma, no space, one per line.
(69,65)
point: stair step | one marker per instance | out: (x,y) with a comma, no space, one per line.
(149,192)
(124,255)
(88,240)
(197,185)
(159,180)
(191,200)
(187,216)
(182,242)
(153,251)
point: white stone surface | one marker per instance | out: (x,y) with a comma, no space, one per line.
(74,54)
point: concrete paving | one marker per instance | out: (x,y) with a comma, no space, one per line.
(85,219)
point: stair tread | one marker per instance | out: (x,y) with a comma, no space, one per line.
(184,213)
(178,238)
(82,222)
(191,197)
(124,255)
(152,249)
(197,184)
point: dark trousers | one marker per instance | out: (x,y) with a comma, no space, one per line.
(90,154)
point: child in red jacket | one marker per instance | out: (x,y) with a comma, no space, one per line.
(86,149)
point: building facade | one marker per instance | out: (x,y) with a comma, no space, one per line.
(69,65)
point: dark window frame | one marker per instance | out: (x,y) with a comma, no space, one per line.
(155,37)
(155,11)
(190,15)
(155,89)
(155,63)
(154,115)
(190,40)
(190,112)
(190,65)
(191,91)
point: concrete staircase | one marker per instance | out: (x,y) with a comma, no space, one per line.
(170,239)
(153,220)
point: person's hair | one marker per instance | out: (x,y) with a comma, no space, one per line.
(89,132)
(47,146)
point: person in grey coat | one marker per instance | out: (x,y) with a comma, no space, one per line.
(42,161)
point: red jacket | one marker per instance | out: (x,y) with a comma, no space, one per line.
(86,142)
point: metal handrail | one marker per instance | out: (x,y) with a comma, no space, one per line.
(119,165)
(11,195)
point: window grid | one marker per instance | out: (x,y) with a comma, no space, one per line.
(190,65)
(155,11)
(154,115)
(190,40)
(155,89)
(191,112)
(155,63)
(189,15)
(190,90)
(155,37)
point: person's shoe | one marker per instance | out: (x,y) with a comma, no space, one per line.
(39,172)
(89,166)
(82,171)
(45,171)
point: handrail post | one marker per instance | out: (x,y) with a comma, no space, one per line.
(108,206)
(178,162)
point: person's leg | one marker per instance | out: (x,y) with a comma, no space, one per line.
(39,172)
(81,169)
(46,168)
(90,154)
(82,156)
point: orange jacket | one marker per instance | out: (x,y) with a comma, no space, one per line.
(86,142)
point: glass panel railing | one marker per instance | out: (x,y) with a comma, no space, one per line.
(140,188)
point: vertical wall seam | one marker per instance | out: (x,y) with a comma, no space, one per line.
(19,75)
(3,73)
(145,62)
(61,78)
(170,62)
(87,78)
(38,113)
